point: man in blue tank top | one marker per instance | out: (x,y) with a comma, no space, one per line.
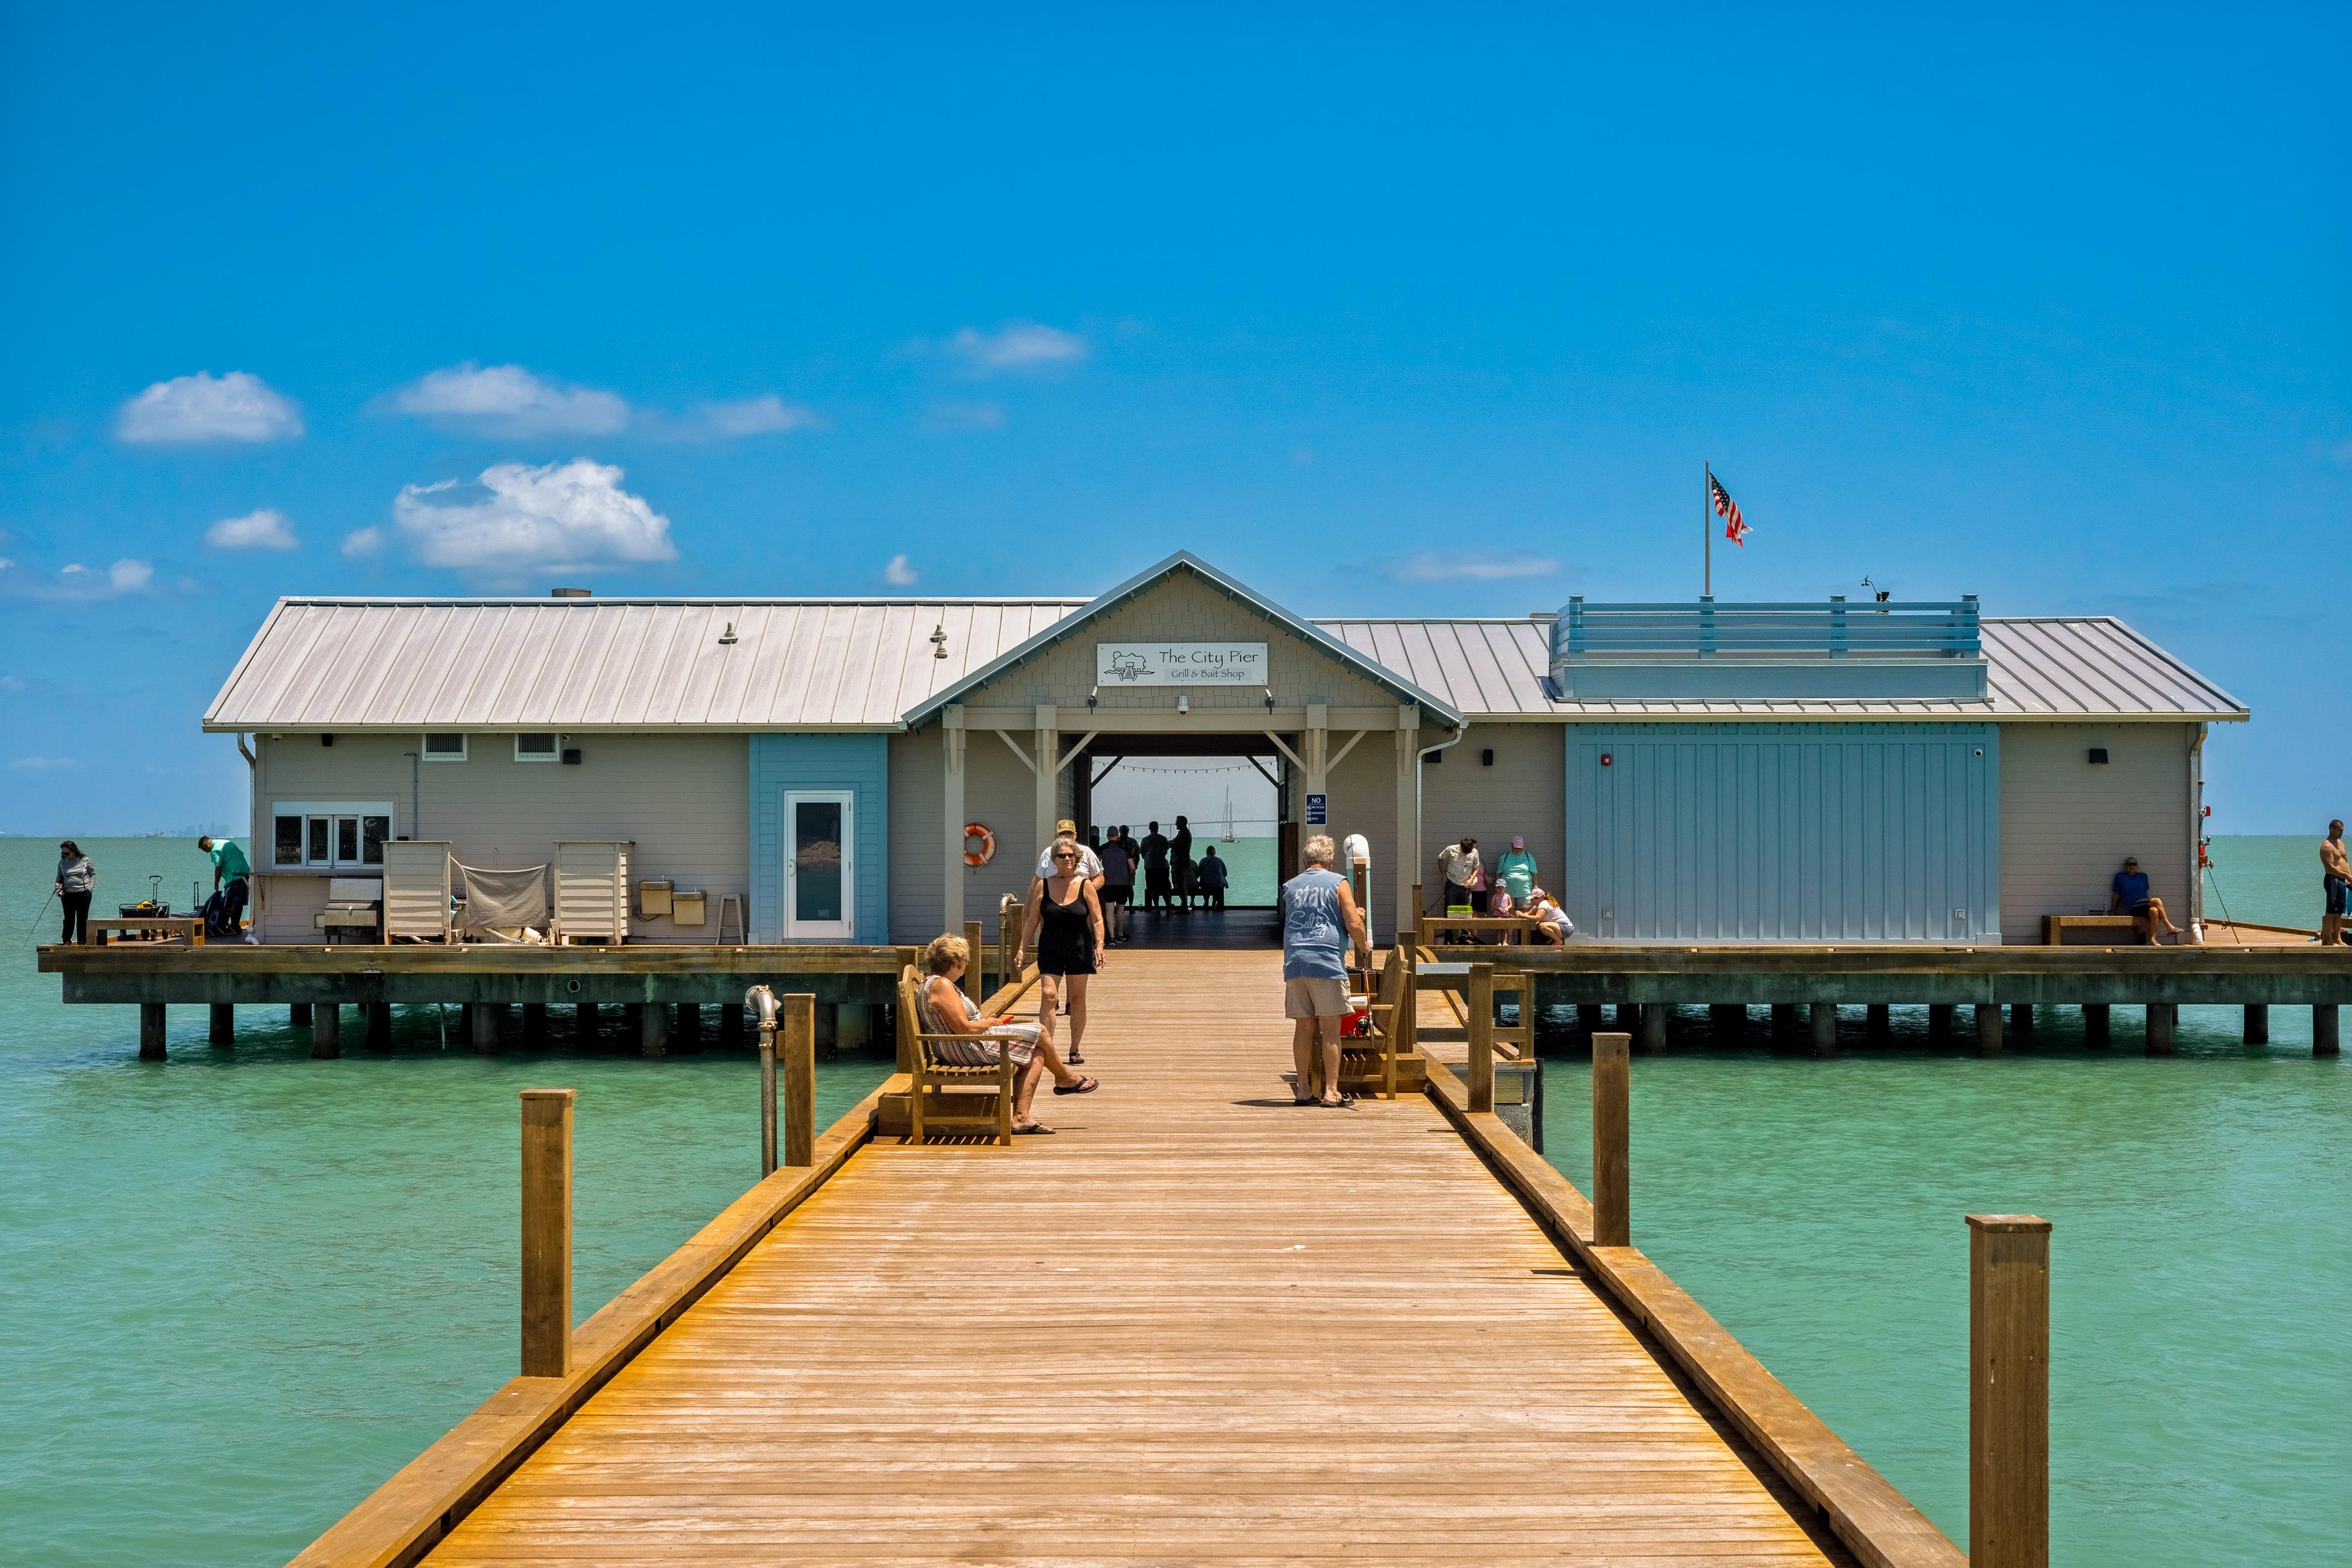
(1319,920)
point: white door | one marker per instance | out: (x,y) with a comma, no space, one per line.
(820,878)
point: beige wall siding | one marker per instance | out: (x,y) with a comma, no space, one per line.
(998,791)
(1364,800)
(1523,795)
(2067,823)
(1184,608)
(683,798)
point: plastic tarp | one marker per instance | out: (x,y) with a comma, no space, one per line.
(505,903)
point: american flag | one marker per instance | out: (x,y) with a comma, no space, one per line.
(1733,528)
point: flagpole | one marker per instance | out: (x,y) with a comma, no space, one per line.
(1706,530)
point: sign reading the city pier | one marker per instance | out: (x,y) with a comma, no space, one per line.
(1180,664)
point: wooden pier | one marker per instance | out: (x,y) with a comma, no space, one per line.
(1198,1323)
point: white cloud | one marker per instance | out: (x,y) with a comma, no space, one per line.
(1469,566)
(190,409)
(508,400)
(570,515)
(77,581)
(40,764)
(1017,347)
(11,684)
(765,416)
(264,530)
(361,542)
(899,574)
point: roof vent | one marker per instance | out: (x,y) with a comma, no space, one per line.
(568,594)
(939,640)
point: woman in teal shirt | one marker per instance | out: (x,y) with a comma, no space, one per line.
(1517,872)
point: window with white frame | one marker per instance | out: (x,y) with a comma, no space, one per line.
(333,835)
(538,748)
(444,746)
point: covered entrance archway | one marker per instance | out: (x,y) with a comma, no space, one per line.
(1181,783)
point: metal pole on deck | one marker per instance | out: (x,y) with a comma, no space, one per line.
(762,1002)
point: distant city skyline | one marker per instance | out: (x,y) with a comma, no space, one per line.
(1387,316)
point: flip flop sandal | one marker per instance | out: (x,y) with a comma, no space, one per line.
(1084,1086)
(1344,1100)
(1075,1059)
(1035,1128)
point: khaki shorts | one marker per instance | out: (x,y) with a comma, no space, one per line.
(1317,996)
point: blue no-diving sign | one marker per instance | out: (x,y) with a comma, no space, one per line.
(1316,809)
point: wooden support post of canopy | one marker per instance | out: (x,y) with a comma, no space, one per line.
(2009,1391)
(1408,804)
(1048,766)
(798,1050)
(952,736)
(1612,1158)
(1479,1008)
(546,1232)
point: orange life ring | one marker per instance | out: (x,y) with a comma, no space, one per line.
(979,830)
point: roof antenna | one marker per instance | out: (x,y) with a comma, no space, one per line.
(939,640)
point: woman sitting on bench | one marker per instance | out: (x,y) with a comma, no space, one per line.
(944,1009)
(2130,895)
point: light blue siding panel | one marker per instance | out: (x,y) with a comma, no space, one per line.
(857,761)
(1784,832)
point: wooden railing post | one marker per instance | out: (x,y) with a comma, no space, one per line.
(972,981)
(2009,1391)
(1611,1159)
(1481,1023)
(1009,918)
(800,1080)
(546,1232)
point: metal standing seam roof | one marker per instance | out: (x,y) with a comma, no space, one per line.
(2054,668)
(612,664)
(866,664)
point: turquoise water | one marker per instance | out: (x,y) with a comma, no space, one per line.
(239,1289)
(2201,1270)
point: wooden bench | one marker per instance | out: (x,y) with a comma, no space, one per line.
(945,1093)
(1384,1060)
(2056,927)
(189,929)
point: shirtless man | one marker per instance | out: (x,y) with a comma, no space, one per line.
(2335,880)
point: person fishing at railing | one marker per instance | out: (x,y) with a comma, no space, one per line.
(943,1008)
(76,879)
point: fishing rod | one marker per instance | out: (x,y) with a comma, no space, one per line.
(42,916)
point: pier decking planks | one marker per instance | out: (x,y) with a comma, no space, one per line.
(1200,1324)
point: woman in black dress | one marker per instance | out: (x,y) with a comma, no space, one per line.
(1065,929)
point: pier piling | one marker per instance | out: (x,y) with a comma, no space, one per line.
(326,1031)
(482,1028)
(2161,1016)
(1611,1162)
(584,1024)
(1878,1023)
(1654,1027)
(222,1030)
(2021,1022)
(2258,1023)
(151,1032)
(1824,1022)
(1939,1024)
(2009,1391)
(1987,1028)
(1478,1015)
(1727,1021)
(535,1022)
(297,1014)
(1591,1018)
(1628,1018)
(2097,1027)
(653,1028)
(730,1023)
(2322,1030)
(379,1025)
(546,1232)
(690,1027)
(800,1080)
(1784,1019)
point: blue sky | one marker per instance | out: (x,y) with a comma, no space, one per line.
(1379,311)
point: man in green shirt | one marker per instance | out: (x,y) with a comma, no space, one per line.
(230,864)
